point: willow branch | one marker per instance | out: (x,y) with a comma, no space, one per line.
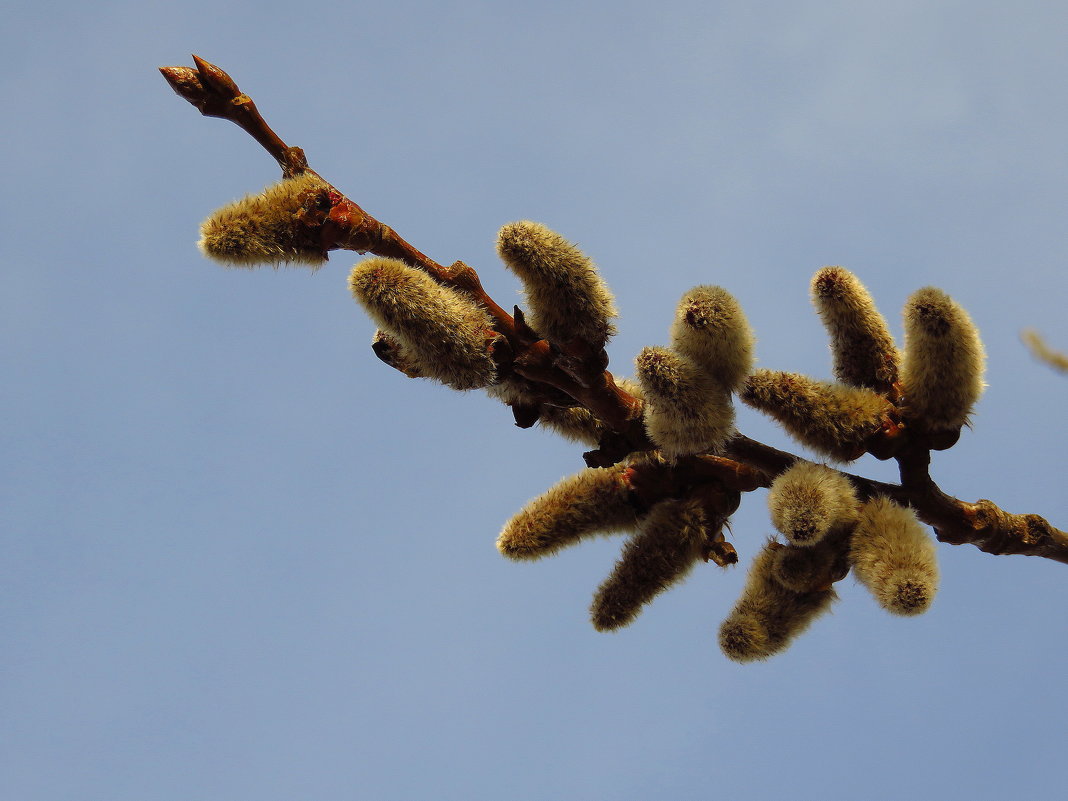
(580,375)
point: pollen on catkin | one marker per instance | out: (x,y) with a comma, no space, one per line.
(862,347)
(594,501)
(894,557)
(830,418)
(942,369)
(685,411)
(443,334)
(768,616)
(808,500)
(268,228)
(663,551)
(568,300)
(712,331)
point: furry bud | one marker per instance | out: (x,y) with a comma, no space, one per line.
(594,501)
(768,615)
(280,226)
(861,344)
(833,419)
(808,500)
(894,557)
(811,567)
(711,330)
(942,374)
(666,547)
(685,411)
(568,300)
(443,334)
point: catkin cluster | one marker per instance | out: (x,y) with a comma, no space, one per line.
(829,532)
(687,387)
(931,387)
(664,541)
(427,327)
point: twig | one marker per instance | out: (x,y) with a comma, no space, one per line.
(581,377)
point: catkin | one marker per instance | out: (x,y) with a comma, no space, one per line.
(685,411)
(268,228)
(942,370)
(894,557)
(768,615)
(594,501)
(568,300)
(443,334)
(833,419)
(662,552)
(808,500)
(862,347)
(712,331)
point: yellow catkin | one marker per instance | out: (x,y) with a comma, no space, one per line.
(768,616)
(808,500)
(444,335)
(862,347)
(267,228)
(942,370)
(568,300)
(685,411)
(894,557)
(594,501)
(832,419)
(662,553)
(712,331)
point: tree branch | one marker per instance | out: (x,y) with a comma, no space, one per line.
(579,373)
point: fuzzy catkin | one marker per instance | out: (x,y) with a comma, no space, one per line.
(443,334)
(593,501)
(942,370)
(267,228)
(862,347)
(685,411)
(712,331)
(568,299)
(663,551)
(830,418)
(811,567)
(894,557)
(768,616)
(808,500)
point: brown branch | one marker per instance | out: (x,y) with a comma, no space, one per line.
(579,373)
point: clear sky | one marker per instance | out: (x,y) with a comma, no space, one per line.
(242,559)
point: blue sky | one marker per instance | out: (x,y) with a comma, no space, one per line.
(243,559)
